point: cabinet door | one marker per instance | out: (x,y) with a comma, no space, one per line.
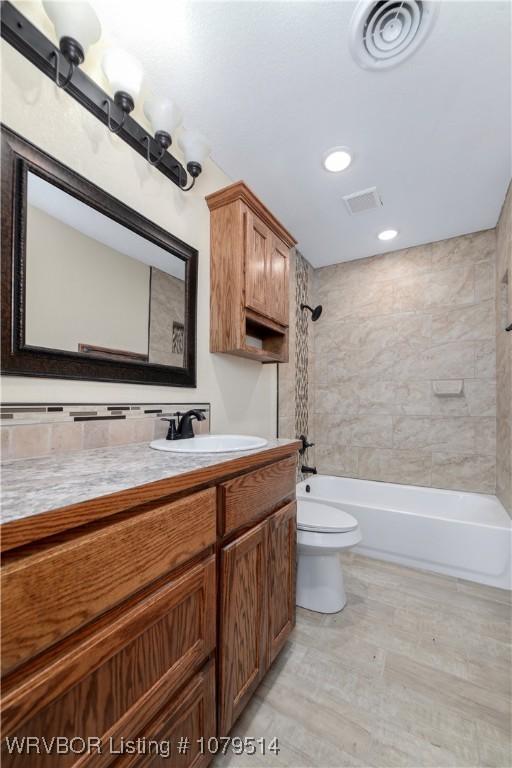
(278,309)
(257,264)
(188,720)
(243,623)
(282,537)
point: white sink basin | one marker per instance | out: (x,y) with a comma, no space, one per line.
(210,444)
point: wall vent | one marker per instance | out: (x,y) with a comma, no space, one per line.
(365,200)
(385,32)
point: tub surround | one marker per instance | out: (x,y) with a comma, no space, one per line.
(504,355)
(169,586)
(394,326)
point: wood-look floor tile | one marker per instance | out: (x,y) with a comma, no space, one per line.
(413,672)
(471,700)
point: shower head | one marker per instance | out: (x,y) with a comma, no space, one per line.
(315,313)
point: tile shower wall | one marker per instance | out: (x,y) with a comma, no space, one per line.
(504,354)
(29,430)
(296,377)
(397,328)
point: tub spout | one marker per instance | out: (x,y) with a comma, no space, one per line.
(308,470)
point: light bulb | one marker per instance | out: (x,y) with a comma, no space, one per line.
(387,234)
(164,116)
(123,71)
(195,148)
(337,159)
(76,25)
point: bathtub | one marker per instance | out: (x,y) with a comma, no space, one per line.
(467,535)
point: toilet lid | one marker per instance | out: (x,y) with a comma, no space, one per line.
(312,516)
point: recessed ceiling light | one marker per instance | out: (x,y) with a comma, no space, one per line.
(387,234)
(337,159)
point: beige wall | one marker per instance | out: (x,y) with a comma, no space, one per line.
(392,326)
(81,291)
(504,354)
(242,392)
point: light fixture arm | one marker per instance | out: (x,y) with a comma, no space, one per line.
(187,189)
(112,128)
(147,141)
(56,57)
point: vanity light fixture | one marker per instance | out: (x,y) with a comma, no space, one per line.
(387,234)
(337,159)
(164,116)
(77,27)
(125,75)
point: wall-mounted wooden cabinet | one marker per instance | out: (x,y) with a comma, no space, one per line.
(250,253)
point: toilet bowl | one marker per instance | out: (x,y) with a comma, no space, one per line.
(322,533)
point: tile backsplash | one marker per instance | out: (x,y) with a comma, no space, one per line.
(29,430)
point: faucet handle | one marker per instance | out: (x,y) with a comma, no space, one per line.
(305,444)
(171,432)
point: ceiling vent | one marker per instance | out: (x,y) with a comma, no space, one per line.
(360,202)
(384,33)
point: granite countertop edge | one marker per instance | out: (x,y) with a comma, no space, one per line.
(32,487)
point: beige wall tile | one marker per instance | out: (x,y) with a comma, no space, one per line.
(66,436)
(407,319)
(121,431)
(452,434)
(478,399)
(373,429)
(465,472)
(6,433)
(485,280)
(459,251)
(143,429)
(395,466)
(412,398)
(452,286)
(504,354)
(96,434)
(485,359)
(337,459)
(472,323)
(485,436)
(30,440)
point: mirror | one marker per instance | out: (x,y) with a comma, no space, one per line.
(97,288)
(90,288)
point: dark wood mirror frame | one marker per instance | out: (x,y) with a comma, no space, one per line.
(18,359)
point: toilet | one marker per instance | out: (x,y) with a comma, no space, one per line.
(323,531)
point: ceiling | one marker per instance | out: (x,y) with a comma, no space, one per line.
(273,86)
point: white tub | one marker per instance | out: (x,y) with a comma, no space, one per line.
(467,535)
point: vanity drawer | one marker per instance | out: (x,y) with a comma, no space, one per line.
(49,593)
(250,496)
(190,715)
(119,678)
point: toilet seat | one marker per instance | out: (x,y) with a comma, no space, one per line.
(322,518)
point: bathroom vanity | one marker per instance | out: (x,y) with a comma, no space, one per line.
(151,611)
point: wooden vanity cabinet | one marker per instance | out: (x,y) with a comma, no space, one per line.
(257,581)
(249,259)
(168,639)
